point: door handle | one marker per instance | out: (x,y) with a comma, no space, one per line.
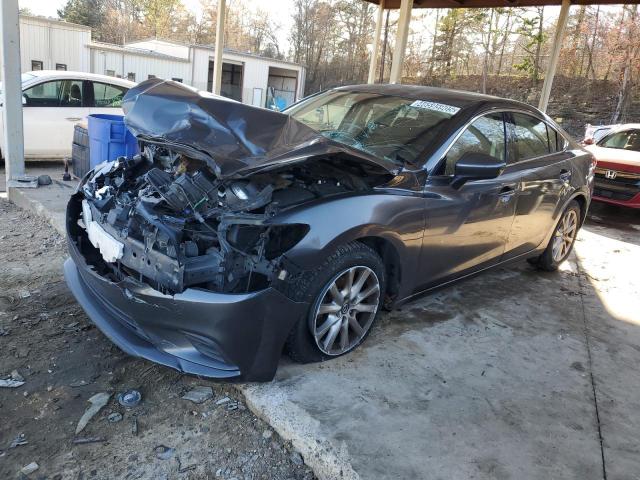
(506,193)
(74,119)
(565,175)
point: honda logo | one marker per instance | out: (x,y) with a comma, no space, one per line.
(610,174)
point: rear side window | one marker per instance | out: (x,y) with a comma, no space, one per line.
(530,137)
(485,135)
(107,95)
(57,93)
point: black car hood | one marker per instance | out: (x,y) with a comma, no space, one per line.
(233,138)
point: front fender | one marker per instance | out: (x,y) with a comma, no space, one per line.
(397,219)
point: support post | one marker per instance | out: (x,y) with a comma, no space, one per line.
(217,59)
(376,44)
(13,144)
(558,37)
(401,41)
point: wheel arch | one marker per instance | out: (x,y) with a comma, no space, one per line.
(390,259)
(581,198)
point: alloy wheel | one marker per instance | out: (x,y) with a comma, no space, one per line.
(347,308)
(565,235)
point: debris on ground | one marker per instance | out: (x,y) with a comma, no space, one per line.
(98,401)
(20,440)
(44,180)
(130,398)
(84,362)
(200,394)
(114,417)
(28,469)
(10,383)
(85,440)
(163,452)
(223,401)
(297,458)
(15,375)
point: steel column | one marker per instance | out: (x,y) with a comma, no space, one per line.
(217,61)
(401,41)
(558,37)
(376,44)
(13,145)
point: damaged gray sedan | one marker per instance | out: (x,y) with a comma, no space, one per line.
(238,231)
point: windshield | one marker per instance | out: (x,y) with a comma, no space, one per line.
(627,140)
(389,127)
(25,77)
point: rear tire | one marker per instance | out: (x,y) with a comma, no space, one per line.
(335,310)
(562,241)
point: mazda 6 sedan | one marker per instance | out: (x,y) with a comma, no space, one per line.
(239,232)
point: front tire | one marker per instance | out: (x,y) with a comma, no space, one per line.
(345,294)
(562,240)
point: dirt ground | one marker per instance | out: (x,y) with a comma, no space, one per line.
(65,360)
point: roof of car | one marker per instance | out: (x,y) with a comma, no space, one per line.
(80,75)
(458,98)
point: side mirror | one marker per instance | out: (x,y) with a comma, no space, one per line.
(476,166)
(24,100)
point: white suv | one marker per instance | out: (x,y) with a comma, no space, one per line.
(54,101)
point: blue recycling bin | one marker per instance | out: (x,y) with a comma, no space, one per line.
(109,138)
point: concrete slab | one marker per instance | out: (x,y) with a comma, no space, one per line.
(511,374)
(48,201)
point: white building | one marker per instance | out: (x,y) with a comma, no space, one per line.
(252,79)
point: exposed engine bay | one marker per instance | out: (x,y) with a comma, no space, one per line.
(167,220)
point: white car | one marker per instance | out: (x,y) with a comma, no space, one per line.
(54,101)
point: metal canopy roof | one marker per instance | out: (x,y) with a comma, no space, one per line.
(495,3)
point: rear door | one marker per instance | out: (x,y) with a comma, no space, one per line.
(539,160)
(467,228)
(51,109)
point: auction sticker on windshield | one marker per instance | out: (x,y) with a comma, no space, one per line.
(437,107)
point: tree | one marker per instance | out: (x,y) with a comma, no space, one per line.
(532,32)
(84,12)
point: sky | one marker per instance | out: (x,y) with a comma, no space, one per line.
(49,8)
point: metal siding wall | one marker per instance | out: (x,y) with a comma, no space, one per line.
(51,43)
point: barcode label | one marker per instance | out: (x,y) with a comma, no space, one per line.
(438,107)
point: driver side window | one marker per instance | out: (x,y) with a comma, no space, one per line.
(485,135)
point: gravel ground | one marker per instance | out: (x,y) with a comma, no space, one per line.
(64,360)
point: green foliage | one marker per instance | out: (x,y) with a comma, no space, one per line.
(531,30)
(83,12)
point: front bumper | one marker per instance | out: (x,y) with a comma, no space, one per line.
(226,336)
(623,190)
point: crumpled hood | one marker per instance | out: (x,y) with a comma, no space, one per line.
(232,137)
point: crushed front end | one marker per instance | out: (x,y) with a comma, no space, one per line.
(177,254)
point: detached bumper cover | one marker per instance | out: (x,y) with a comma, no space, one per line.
(234,337)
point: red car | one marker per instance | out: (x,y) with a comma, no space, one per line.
(617,174)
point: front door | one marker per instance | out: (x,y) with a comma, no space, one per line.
(51,109)
(467,228)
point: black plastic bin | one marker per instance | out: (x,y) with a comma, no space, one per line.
(80,151)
